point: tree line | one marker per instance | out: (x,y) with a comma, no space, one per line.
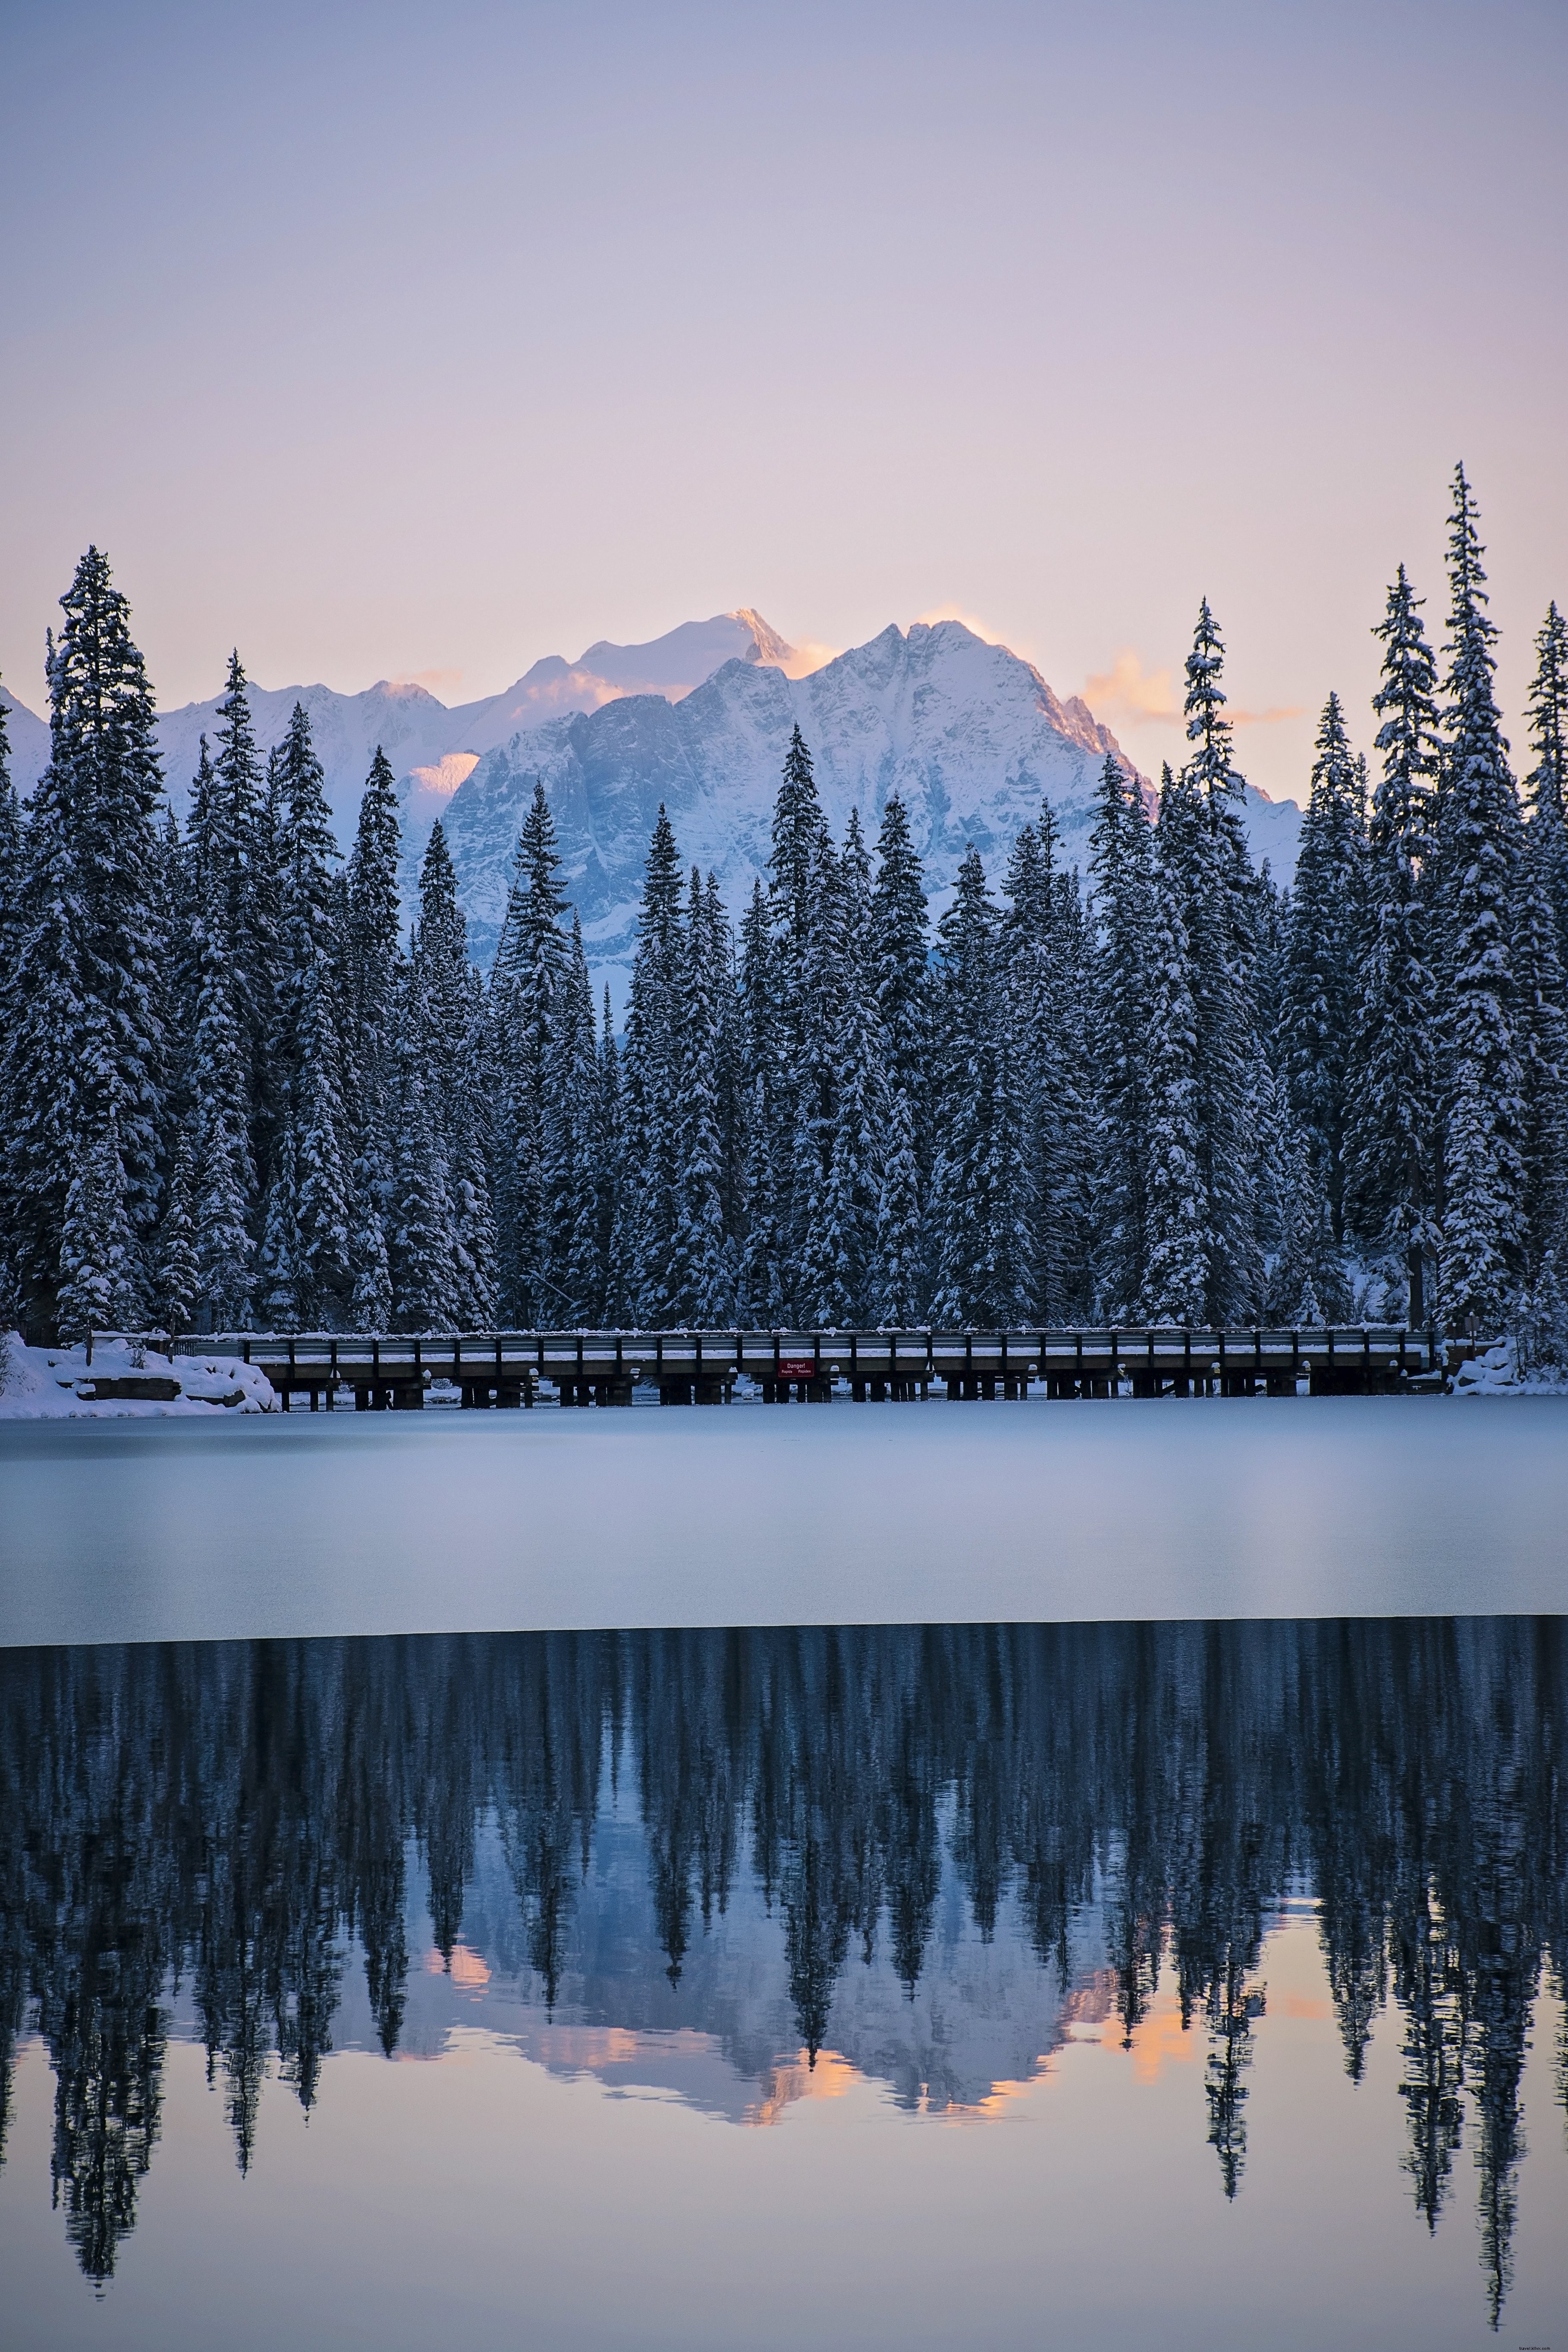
(235,1093)
(239,1818)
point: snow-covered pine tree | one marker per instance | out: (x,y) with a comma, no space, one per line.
(455,1072)
(223,1186)
(899,941)
(862,1105)
(1392,1140)
(175,1275)
(1546,786)
(42,1113)
(818,1282)
(101,1283)
(796,858)
(607,1165)
(1483,1219)
(980,1241)
(374,973)
(761,1084)
(1540,1035)
(1207,861)
(1177,1277)
(569,1139)
(422,1243)
(1121,867)
(898,1274)
(530,958)
(308,1051)
(699,1285)
(1324,934)
(277,1287)
(10,845)
(645,1231)
(85,1058)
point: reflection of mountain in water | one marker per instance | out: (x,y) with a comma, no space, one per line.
(703,1859)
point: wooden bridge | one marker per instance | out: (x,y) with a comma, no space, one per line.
(513,1368)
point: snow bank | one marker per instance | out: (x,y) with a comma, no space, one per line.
(59,1384)
(1498,1374)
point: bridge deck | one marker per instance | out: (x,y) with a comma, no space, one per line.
(606,1364)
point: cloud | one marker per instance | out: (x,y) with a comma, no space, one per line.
(976,627)
(432,680)
(800,660)
(1127,695)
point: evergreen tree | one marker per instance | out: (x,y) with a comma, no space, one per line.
(1176,1278)
(1547,784)
(700,1282)
(644,1234)
(373,976)
(762,1081)
(1122,865)
(898,1281)
(1203,855)
(454,1058)
(224,1177)
(85,1057)
(1324,934)
(1392,1140)
(1483,1236)
(524,986)
(570,1137)
(980,1238)
(101,1283)
(176,1284)
(898,954)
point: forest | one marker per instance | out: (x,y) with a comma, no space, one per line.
(239,1092)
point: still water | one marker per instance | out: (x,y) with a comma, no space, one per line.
(1184,1984)
(177,1530)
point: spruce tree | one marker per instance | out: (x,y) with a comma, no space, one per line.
(101,1287)
(373,976)
(898,1274)
(176,1284)
(1392,1155)
(85,1057)
(1546,786)
(899,951)
(980,1238)
(1121,867)
(525,984)
(569,1140)
(1483,1223)
(1324,935)
(1177,1242)
(699,1285)
(761,1081)
(454,1064)
(649,1070)
(224,1176)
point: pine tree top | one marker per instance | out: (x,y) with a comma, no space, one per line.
(1547,784)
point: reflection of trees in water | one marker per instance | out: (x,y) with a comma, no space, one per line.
(238,1814)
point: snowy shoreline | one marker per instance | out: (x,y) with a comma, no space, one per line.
(123,1381)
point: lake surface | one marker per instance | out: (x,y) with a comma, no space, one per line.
(1172,1985)
(1135,1915)
(406,1523)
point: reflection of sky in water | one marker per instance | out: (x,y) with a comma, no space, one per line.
(893,1985)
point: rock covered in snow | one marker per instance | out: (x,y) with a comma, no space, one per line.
(122,1381)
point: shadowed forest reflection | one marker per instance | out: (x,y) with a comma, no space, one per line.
(238,1824)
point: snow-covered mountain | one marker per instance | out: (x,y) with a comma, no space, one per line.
(28,737)
(432,746)
(971,737)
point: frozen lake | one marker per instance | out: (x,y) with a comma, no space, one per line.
(447,1522)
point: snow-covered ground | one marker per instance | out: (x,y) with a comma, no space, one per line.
(1498,1374)
(59,1384)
